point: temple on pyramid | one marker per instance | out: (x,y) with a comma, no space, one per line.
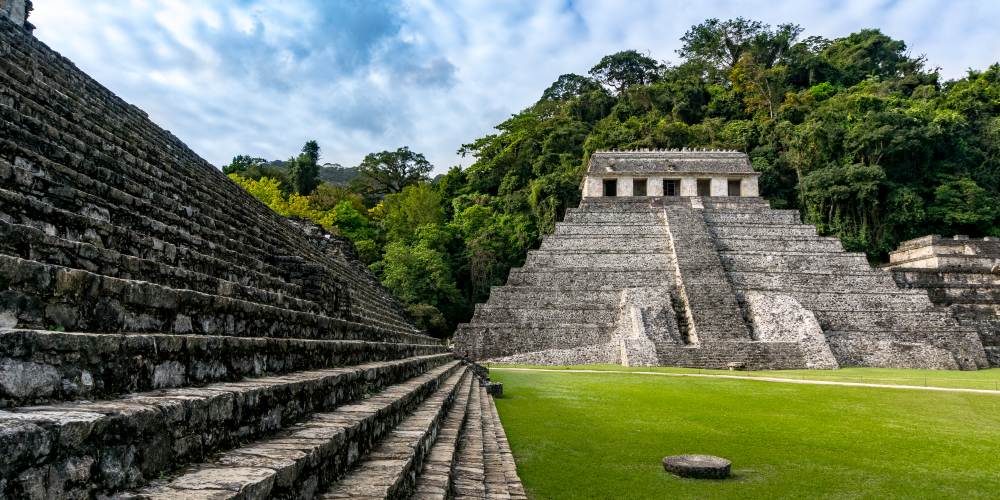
(673,259)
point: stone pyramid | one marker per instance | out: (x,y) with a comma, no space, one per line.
(712,281)
(165,335)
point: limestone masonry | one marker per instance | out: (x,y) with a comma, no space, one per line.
(163,334)
(673,259)
(959,273)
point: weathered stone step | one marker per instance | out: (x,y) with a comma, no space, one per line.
(634,244)
(154,432)
(104,303)
(918,321)
(748,355)
(33,244)
(652,218)
(591,278)
(765,217)
(785,231)
(811,282)
(861,299)
(772,244)
(514,487)
(505,339)
(607,230)
(469,474)
(435,479)
(573,313)
(390,469)
(543,297)
(797,262)
(308,456)
(951,278)
(41,366)
(496,479)
(959,350)
(606,260)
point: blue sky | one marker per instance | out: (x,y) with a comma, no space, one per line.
(261,77)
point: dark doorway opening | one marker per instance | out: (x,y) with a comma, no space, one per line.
(639,187)
(704,187)
(610,187)
(734,187)
(671,187)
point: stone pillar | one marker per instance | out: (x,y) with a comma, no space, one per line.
(720,186)
(749,186)
(17,11)
(625,186)
(654,186)
(593,187)
(689,186)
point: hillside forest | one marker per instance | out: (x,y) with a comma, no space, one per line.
(860,135)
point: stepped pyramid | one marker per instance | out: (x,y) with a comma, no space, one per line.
(165,335)
(672,259)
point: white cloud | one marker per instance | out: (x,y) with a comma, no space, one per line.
(262,77)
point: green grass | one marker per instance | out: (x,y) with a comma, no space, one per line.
(594,435)
(981,379)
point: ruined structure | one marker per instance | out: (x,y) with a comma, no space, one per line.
(163,334)
(673,259)
(960,273)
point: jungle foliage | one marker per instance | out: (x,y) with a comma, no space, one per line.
(858,134)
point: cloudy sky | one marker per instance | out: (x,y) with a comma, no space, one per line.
(263,76)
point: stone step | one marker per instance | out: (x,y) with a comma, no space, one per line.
(873,300)
(311,455)
(39,366)
(951,278)
(915,321)
(651,218)
(721,355)
(714,218)
(141,436)
(544,297)
(493,340)
(959,349)
(797,262)
(849,282)
(493,469)
(592,278)
(469,474)
(607,230)
(85,301)
(537,315)
(784,231)
(391,469)
(772,244)
(605,260)
(514,487)
(633,244)
(435,479)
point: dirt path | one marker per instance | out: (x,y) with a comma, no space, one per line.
(763,379)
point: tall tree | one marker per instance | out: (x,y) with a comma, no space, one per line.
(625,69)
(721,44)
(390,171)
(568,86)
(303,171)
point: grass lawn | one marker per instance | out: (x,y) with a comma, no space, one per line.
(595,435)
(980,379)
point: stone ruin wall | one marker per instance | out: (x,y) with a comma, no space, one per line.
(742,285)
(163,333)
(960,273)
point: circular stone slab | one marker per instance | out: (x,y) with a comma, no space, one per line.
(697,466)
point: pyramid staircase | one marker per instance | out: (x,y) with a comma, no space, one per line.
(165,335)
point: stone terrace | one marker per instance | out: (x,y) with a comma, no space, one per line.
(163,334)
(960,273)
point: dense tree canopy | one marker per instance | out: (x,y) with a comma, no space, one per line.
(854,132)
